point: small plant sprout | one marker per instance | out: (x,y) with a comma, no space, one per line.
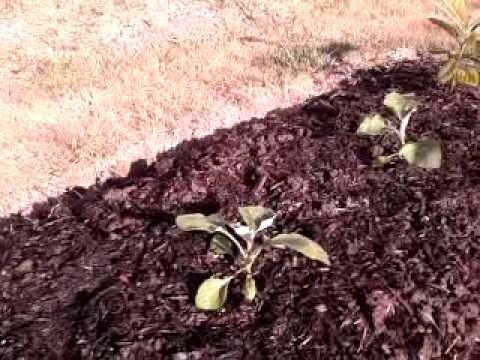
(425,153)
(462,63)
(244,242)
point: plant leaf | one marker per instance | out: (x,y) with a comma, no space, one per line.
(381,161)
(467,76)
(216,219)
(242,230)
(197,222)
(257,217)
(221,245)
(426,153)
(450,29)
(475,25)
(447,71)
(459,5)
(470,44)
(212,294)
(455,10)
(372,125)
(249,288)
(266,223)
(400,104)
(301,244)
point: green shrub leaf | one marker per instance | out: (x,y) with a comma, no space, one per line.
(426,153)
(221,245)
(249,288)
(212,294)
(372,125)
(301,244)
(400,104)
(198,222)
(257,217)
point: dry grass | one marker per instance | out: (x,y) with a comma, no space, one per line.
(94,86)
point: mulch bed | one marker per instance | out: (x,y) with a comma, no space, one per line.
(102,272)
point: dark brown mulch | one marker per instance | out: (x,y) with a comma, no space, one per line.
(102,273)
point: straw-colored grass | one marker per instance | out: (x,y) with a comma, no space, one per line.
(89,86)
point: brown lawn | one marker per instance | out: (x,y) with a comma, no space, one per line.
(89,88)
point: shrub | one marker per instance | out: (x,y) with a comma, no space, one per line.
(462,63)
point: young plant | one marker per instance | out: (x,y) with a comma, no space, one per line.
(425,153)
(245,242)
(462,63)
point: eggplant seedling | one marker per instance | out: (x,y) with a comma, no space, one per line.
(425,153)
(245,242)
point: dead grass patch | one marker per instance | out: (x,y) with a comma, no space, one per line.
(94,85)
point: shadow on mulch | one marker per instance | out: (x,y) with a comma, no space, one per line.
(102,273)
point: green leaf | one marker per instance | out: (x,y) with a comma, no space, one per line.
(221,245)
(212,294)
(197,222)
(257,217)
(426,153)
(249,288)
(301,244)
(372,125)
(400,104)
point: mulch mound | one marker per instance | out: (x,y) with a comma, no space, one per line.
(103,273)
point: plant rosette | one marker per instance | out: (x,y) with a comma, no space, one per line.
(245,242)
(425,153)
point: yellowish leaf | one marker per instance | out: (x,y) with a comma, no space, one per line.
(301,244)
(249,288)
(468,76)
(371,125)
(212,294)
(425,153)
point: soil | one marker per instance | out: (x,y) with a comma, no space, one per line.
(102,272)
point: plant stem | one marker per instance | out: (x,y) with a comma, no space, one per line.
(237,236)
(392,128)
(238,272)
(235,241)
(251,259)
(257,252)
(390,157)
(250,241)
(403,126)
